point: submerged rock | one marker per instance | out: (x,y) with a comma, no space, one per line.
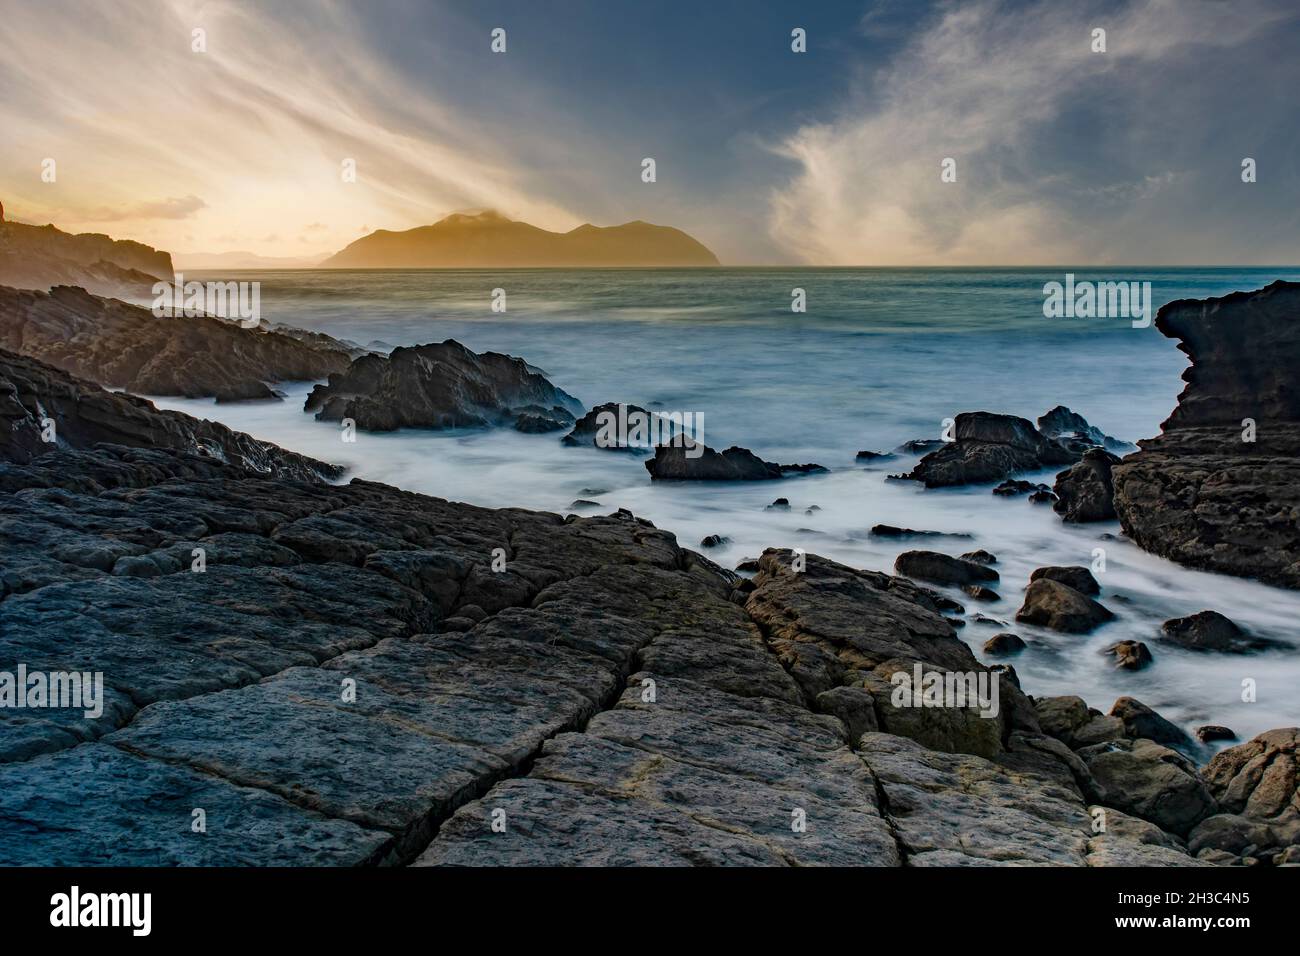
(1211,631)
(1130,655)
(438,386)
(1220,488)
(942,568)
(673,463)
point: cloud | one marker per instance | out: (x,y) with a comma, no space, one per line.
(1006,91)
(162,209)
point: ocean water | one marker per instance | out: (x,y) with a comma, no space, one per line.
(880,357)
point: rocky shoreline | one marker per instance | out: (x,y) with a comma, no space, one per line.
(605,695)
(351,674)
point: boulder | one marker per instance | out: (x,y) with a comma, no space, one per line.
(1077,577)
(942,568)
(1260,778)
(1084,491)
(1140,721)
(1150,781)
(1064,425)
(1130,655)
(673,463)
(1211,631)
(1000,645)
(1060,607)
(1211,733)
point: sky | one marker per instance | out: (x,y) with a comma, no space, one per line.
(1062,154)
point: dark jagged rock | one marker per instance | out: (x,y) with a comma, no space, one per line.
(874,456)
(1060,607)
(980,593)
(1211,631)
(1079,578)
(587,429)
(714,541)
(988,448)
(1014,487)
(128,347)
(1085,491)
(1200,494)
(673,463)
(891,531)
(942,568)
(39,257)
(34,396)
(920,446)
(1042,497)
(1072,429)
(437,386)
(1141,721)
(980,556)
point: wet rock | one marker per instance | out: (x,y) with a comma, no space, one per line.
(920,446)
(714,541)
(1150,781)
(874,456)
(1211,733)
(534,424)
(1079,578)
(780,504)
(1003,644)
(1013,487)
(942,568)
(1060,607)
(673,463)
(1085,491)
(1211,631)
(892,531)
(85,415)
(437,386)
(980,593)
(583,504)
(988,448)
(1070,427)
(1042,498)
(124,346)
(587,430)
(1130,655)
(980,557)
(1215,491)
(1140,721)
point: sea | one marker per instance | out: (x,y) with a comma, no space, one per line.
(879,357)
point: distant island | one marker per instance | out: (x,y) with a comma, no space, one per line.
(490,240)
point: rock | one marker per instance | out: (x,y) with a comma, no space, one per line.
(980,557)
(1216,491)
(780,504)
(1070,427)
(920,446)
(1013,487)
(124,346)
(1140,721)
(1210,733)
(583,503)
(672,463)
(1130,655)
(1085,491)
(1077,577)
(1150,781)
(981,593)
(598,429)
(1042,498)
(1003,644)
(531,424)
(874,456)
(437,386)
(1230,833)
(891,531)
(714,541)
(1260,777)
(1211,631)
(942,568)
(1060,607)
(86,415)
(1060,717)
(988,448)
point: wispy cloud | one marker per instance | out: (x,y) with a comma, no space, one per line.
(1010,92)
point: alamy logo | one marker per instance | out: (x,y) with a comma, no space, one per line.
(74,908)
(638,429)
(957,689)
(241,301)
(1099,300)
(54,689)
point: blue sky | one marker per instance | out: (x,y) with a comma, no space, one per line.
(1063,155)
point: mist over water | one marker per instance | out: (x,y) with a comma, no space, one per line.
(880,357)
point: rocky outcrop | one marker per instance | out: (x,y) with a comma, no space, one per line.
(1071,429)
(45,411)
(989,448)
(687,461)
(1218,489)
(439,386)
(1085,491)
(599,428)
(128,347)
(40,257)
